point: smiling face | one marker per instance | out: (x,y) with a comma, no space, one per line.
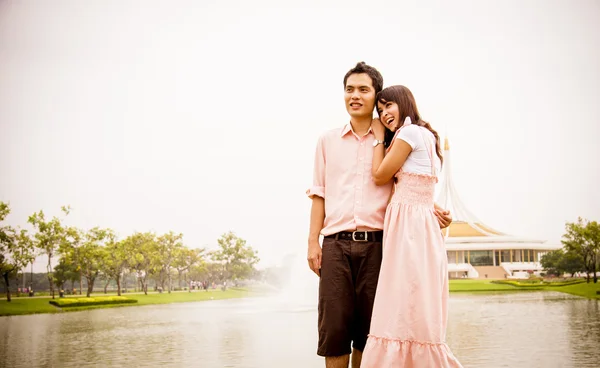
(359,95)
(389,114)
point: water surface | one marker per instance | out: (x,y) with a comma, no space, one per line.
(538,329)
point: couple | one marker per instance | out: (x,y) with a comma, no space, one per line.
(383,285)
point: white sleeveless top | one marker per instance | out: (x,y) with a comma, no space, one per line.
(418,160)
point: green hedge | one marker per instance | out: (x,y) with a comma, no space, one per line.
(534,284)
(82,302)
(565,283)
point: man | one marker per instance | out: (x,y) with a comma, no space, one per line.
(348,209)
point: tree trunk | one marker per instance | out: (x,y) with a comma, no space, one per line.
(587,276)
(180,272)
(119,285)
(8,299)
(144,285)
(18,288)
(90,286)
(169,280)
(49,270)
(162,279)
(80,282)
(106,286)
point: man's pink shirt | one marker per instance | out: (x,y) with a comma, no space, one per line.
(342,176)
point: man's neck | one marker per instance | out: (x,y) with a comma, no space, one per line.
(361,126)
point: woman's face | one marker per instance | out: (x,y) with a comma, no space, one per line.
(389,114)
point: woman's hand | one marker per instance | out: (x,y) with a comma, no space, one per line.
(378,129)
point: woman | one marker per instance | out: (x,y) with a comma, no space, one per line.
(408,325)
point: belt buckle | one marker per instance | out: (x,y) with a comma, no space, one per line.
(357,240)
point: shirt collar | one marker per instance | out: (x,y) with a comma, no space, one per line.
(348,128)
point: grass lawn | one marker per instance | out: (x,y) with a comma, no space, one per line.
(582,289)
(20,306)
(478,285)
(586,290)
(25,305)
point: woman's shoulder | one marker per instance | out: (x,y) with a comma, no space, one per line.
(413,132)
(409,130)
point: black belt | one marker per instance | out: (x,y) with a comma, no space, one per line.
(358,236)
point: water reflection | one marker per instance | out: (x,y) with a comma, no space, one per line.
(535,329)
(585,344)
(518,330)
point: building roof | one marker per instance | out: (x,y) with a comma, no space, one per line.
(465,229)
(468,232)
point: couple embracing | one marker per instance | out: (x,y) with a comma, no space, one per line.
(383,279)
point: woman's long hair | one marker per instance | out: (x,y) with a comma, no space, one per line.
(407,106)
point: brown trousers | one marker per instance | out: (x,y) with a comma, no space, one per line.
(349,275)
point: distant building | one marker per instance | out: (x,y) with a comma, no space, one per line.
(476,250)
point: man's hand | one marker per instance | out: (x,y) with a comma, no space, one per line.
(444,217)
(314,257)
(378,129)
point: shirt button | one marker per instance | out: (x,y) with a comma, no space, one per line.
(362,143)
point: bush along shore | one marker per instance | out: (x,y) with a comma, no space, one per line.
(84,301)
(27,305)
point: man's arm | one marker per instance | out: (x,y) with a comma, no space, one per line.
(444,216)
(317,217)
(317,211)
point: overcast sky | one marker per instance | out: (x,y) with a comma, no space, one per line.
(202,116)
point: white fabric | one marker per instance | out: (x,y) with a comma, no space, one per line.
(418,160)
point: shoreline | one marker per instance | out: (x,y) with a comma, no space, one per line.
(40,305)
(20,306)
(581,289)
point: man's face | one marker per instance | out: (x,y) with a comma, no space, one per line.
(359,95)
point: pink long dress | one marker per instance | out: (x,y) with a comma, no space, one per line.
(408,326)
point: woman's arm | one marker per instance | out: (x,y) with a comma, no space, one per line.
(386,166)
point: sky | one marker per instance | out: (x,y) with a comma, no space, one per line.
(202,117)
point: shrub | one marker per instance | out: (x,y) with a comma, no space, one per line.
(534,284)
(530,280)
(520,284)
(564,283)
(81,302)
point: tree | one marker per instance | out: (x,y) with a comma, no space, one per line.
(207,271)
(551,261)
(65,271)
(116,260)
(236,258)
(185,259)
(571,263)
(92,255)
(48,237)
(70,251)
(168,245)
(562,261)
(592,235)
(16,249)
(140,249)
(583,238)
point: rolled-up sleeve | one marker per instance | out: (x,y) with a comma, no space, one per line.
(318,185)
